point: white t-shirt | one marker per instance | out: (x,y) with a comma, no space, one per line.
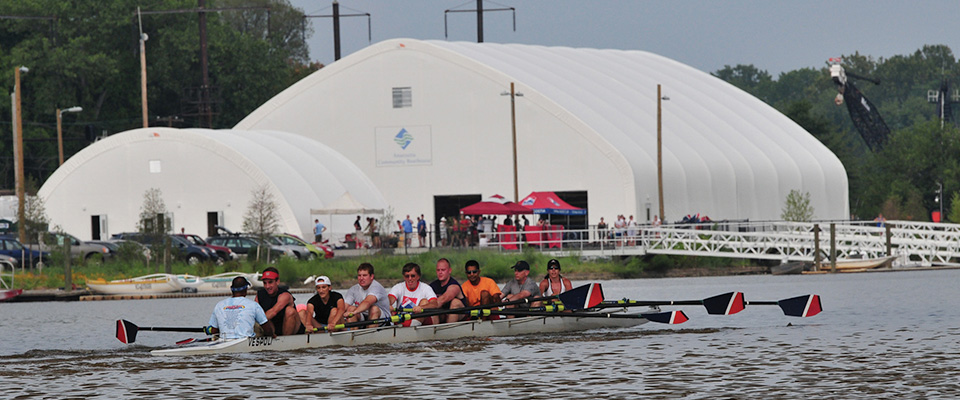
(407,298)
(234,317)
(356,295)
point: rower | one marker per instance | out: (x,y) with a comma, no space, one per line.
(278,304)
(554,283)
(479,290)
(324,309)
(448,290)
(521,287)
(413,296)
(367,300)
(235,317)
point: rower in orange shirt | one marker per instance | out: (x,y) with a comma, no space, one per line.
(479,290)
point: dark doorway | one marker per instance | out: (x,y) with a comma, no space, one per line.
(213,219)
(576,199)
(95,227)
(449,206)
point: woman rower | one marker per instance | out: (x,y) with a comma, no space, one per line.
(554,283)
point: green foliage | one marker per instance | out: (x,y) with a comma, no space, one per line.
(954,213)
(89,56)
(262,218)
(797,207)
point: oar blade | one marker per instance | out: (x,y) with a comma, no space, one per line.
(724,304)
(126,331)
(801,306)
(667,317)
(586,296)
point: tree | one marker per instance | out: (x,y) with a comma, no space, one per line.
(954,215)
(262,219)
(154,224)
(34,220)
(797,207)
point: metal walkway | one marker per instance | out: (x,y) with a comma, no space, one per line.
(913,243)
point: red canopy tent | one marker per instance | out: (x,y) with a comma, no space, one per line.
(491,208)
(549,203)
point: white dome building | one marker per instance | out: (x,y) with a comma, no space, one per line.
(206,177)
(428,123)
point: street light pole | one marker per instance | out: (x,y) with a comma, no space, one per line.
(513,122)
(940,199)
(660,151)
(143,74)
(21,227)
(60,128)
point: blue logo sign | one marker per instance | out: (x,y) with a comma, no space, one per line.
(403,138)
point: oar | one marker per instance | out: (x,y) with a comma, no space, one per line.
(807,305)
(194,340)
(722,304)
(127,331)
(667,317)
(581,297)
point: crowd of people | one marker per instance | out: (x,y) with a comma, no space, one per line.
(274,311)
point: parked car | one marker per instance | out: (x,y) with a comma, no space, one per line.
(78,248)
(22,256)
(117,247)
(246,246)
(185,251)
(316,250)
(223,252)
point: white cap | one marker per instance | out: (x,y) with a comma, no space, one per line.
(322,280)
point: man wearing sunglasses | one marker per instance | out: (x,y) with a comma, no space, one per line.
(413,296)
(479,290)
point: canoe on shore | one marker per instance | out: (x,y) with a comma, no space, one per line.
(397,334)
(147,284)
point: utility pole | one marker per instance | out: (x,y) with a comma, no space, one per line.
(479,12)
(336,26)
(21,188)
(204,106)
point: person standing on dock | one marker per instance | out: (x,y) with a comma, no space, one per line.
(235,317)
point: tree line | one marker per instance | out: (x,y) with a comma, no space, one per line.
(900,180)
(87,53)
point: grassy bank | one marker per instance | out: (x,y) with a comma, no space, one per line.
(342,271)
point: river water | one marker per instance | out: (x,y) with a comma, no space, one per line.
(881,335)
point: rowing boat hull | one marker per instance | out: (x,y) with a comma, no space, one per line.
(221,282)
(7,294)
(395,334)
(149,284)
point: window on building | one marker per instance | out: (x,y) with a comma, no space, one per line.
(402,97)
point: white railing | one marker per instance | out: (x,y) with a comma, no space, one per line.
(914,243)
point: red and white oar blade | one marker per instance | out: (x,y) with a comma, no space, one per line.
(186,341)
(667,317)
(801,306)
(126,331)
(724,304)
(586,296)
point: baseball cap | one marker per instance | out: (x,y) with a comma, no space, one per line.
(553,262)
(521,266)
(322,280)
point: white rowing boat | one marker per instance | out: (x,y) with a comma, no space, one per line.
(147,284)
(397,334)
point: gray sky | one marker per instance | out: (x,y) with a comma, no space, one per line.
(773,35)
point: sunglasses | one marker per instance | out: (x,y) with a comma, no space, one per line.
(411,276)
(473,271)
(556,268)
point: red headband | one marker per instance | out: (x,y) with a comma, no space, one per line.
(270,275)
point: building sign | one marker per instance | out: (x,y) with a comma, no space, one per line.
(400,146)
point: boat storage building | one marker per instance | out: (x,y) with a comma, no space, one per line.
(429,122)
(206,178)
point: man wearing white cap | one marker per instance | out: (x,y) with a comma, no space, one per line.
(234,318)
(326,308)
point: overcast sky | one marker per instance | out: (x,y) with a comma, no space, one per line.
(773,35)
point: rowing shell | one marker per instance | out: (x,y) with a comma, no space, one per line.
(397,334)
